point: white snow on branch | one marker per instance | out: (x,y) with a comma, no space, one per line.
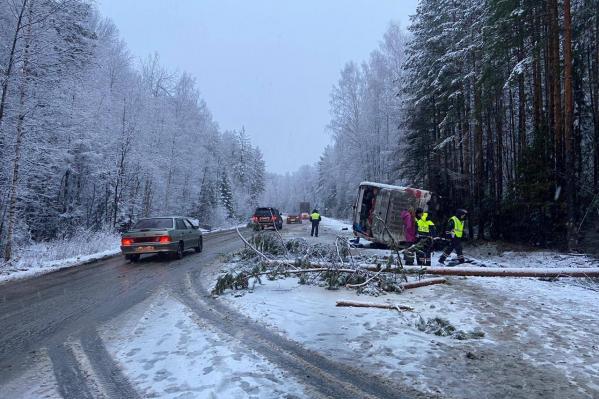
(517,71)
(445,142)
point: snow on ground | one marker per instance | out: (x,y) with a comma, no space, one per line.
(383,340)
(168,353)
(539,337)
(334,224)
(37,382)
(496,256)
(46,257)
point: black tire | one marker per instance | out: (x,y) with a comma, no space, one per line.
(132,258)
(200,246)
(179,253)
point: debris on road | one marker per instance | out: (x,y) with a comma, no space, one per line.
(443,328)
(334,265)
(355,304)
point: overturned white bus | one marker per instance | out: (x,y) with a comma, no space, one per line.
(378,211)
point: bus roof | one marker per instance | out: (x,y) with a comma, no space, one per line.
(389,186)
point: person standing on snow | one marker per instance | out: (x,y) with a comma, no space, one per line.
(409,227)
(455,232)
(424,238)
(315,219)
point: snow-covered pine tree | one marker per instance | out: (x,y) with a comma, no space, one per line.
(208,199)
(226,194)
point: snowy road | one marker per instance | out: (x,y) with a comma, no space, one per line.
(114,329)
(40,317)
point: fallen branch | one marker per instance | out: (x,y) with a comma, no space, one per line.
(337,248)
(354,304)
(279,234)
(423,283)
(365,282)
(317,270)
(246,242)
(403,286)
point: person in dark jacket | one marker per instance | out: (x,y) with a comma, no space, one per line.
(455,232)
(315,219)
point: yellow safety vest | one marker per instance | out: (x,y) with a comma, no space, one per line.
(315,216)
(424,225)
(458,226)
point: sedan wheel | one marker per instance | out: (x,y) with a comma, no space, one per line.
(200,245)
(179,253)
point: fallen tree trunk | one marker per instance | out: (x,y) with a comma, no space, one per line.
(423,283)
(464,271)
(501,272)
(374,305)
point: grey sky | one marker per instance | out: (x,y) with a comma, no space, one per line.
(268,65)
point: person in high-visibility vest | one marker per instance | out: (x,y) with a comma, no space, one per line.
(425,227)
(424,236)
(455,232)
(315,219)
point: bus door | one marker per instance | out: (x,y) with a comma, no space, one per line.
(379,216)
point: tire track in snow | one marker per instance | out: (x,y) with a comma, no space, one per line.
(329,378)
(112,379)
(72,383)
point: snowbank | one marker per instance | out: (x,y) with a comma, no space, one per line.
(46,257)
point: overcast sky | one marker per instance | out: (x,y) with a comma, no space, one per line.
(268,65)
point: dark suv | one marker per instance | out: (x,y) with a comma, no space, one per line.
(267,217)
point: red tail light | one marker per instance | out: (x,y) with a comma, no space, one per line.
(164,239)
(125,242)
(274,218)
(254,218)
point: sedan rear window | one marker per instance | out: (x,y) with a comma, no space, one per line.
(155,223)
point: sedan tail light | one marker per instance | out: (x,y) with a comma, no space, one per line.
(164,239)
(125,242)
(274,219)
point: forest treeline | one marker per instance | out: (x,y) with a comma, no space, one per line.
(492,104)
(91,138)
